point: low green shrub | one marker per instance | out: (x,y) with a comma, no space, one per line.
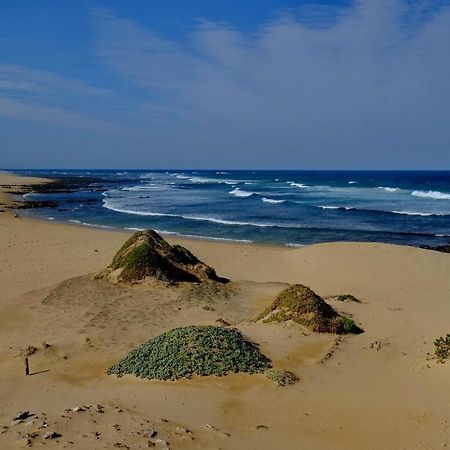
(201,350)
(281,377)
(442,349)
(347,298)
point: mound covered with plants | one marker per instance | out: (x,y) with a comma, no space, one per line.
(303,306)
(147,255)
(200,350)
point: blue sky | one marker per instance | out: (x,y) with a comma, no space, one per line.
(225,84)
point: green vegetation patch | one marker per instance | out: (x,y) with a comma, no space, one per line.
(201,350)
(442,349)
(302,305)
(347,298)
(147,254)
(281,377)
(135,263)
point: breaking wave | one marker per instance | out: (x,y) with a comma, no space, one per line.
(271,200)
(431,194)
(389,189)
(238,193)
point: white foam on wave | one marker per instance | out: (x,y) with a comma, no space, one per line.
(388,189)
(293,245)
(407,213)
(297,185)
(271,200)
(146,176)
(205,180)
(200,236)
(432,194)
(418,213)
(147,187)
(238,193)
(346,208)
(86,224)
(107,204)
(352,182)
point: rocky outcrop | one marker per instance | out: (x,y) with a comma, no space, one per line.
(146,255)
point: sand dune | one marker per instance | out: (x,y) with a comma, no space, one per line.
(376,390)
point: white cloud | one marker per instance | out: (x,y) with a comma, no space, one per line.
(45,97)
(20,78)
(373,80)
(17,109)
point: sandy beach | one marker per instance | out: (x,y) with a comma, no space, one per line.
(376,390)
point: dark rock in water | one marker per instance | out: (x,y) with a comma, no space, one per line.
(33,204)
(147,255)
(439,248)
(302,305)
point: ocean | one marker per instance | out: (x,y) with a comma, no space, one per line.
(293,208)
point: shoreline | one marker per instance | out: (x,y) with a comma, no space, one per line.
(16,180)
(23,182)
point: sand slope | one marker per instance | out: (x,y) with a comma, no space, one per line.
(371,391)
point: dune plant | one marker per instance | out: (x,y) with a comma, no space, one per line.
(347,298)
(281,377)
(200,350)
(442,349)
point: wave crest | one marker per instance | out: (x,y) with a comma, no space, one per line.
(272,200)
(238,193)
(388,189)
(297,185)
(437,195)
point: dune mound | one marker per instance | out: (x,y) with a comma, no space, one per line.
(201,350)
(147,255)
(302,305)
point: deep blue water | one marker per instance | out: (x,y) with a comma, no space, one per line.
(282,207)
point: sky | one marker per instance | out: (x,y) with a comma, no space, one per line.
(232,84)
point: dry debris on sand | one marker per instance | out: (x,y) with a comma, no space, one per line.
(147,255)
(92,426)
(303,306)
